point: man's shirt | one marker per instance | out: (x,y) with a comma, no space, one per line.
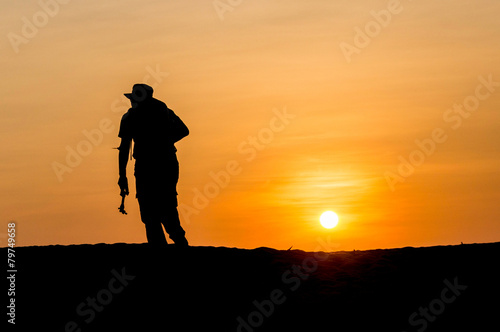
(151,124)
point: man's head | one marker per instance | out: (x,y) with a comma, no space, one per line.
(140,93)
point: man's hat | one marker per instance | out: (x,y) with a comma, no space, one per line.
(140,92)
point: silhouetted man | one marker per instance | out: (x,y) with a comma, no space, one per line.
(154,128)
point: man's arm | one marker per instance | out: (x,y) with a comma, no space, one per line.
(180,130)
(123,154)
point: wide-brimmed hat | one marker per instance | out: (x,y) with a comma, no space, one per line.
(140,92)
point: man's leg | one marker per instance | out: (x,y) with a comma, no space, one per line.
(173,227)
(154,234)
(152,221)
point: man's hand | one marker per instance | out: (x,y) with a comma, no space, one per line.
(123,183)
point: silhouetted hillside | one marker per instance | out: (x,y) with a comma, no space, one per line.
(127,287)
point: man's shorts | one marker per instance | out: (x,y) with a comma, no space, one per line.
(156,181)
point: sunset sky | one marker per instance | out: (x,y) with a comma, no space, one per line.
(307,106)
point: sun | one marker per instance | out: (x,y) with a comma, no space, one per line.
(329,219)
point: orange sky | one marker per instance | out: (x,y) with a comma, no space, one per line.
(346,118)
